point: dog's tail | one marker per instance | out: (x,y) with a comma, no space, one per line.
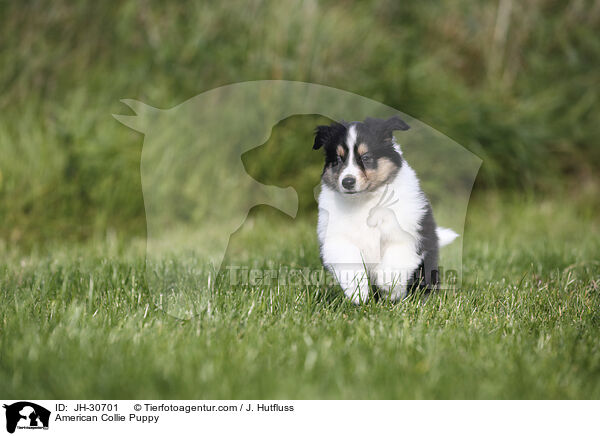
(445,236)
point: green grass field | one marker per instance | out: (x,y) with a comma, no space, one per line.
(76,321)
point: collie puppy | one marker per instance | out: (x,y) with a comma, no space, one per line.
(375,226)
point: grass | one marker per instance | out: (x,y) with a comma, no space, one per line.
(78,322)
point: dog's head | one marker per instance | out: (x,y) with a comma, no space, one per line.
(360,156)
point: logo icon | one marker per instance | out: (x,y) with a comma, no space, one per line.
(26,415)
(198,193)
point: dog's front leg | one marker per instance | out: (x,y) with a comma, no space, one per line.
(345,262)
(398,263)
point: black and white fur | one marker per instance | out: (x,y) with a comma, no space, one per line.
(375,224)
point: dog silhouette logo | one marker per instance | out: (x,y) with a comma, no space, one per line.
(197,192)
(26,415)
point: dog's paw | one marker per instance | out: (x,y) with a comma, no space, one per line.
(358,297)
(358,291)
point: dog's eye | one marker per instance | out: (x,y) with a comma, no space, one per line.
(366,158)
(338,159)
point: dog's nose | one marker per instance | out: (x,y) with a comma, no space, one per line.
(348,182)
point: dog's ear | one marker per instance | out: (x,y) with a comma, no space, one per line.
(395,123)
(321,136)
(388,126)
(326,134)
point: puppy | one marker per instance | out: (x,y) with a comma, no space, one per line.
(375,223)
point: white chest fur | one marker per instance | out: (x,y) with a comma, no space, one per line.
(347,216)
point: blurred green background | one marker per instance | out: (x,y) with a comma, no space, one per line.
(517,83)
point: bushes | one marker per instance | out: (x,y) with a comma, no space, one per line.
(514,82)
